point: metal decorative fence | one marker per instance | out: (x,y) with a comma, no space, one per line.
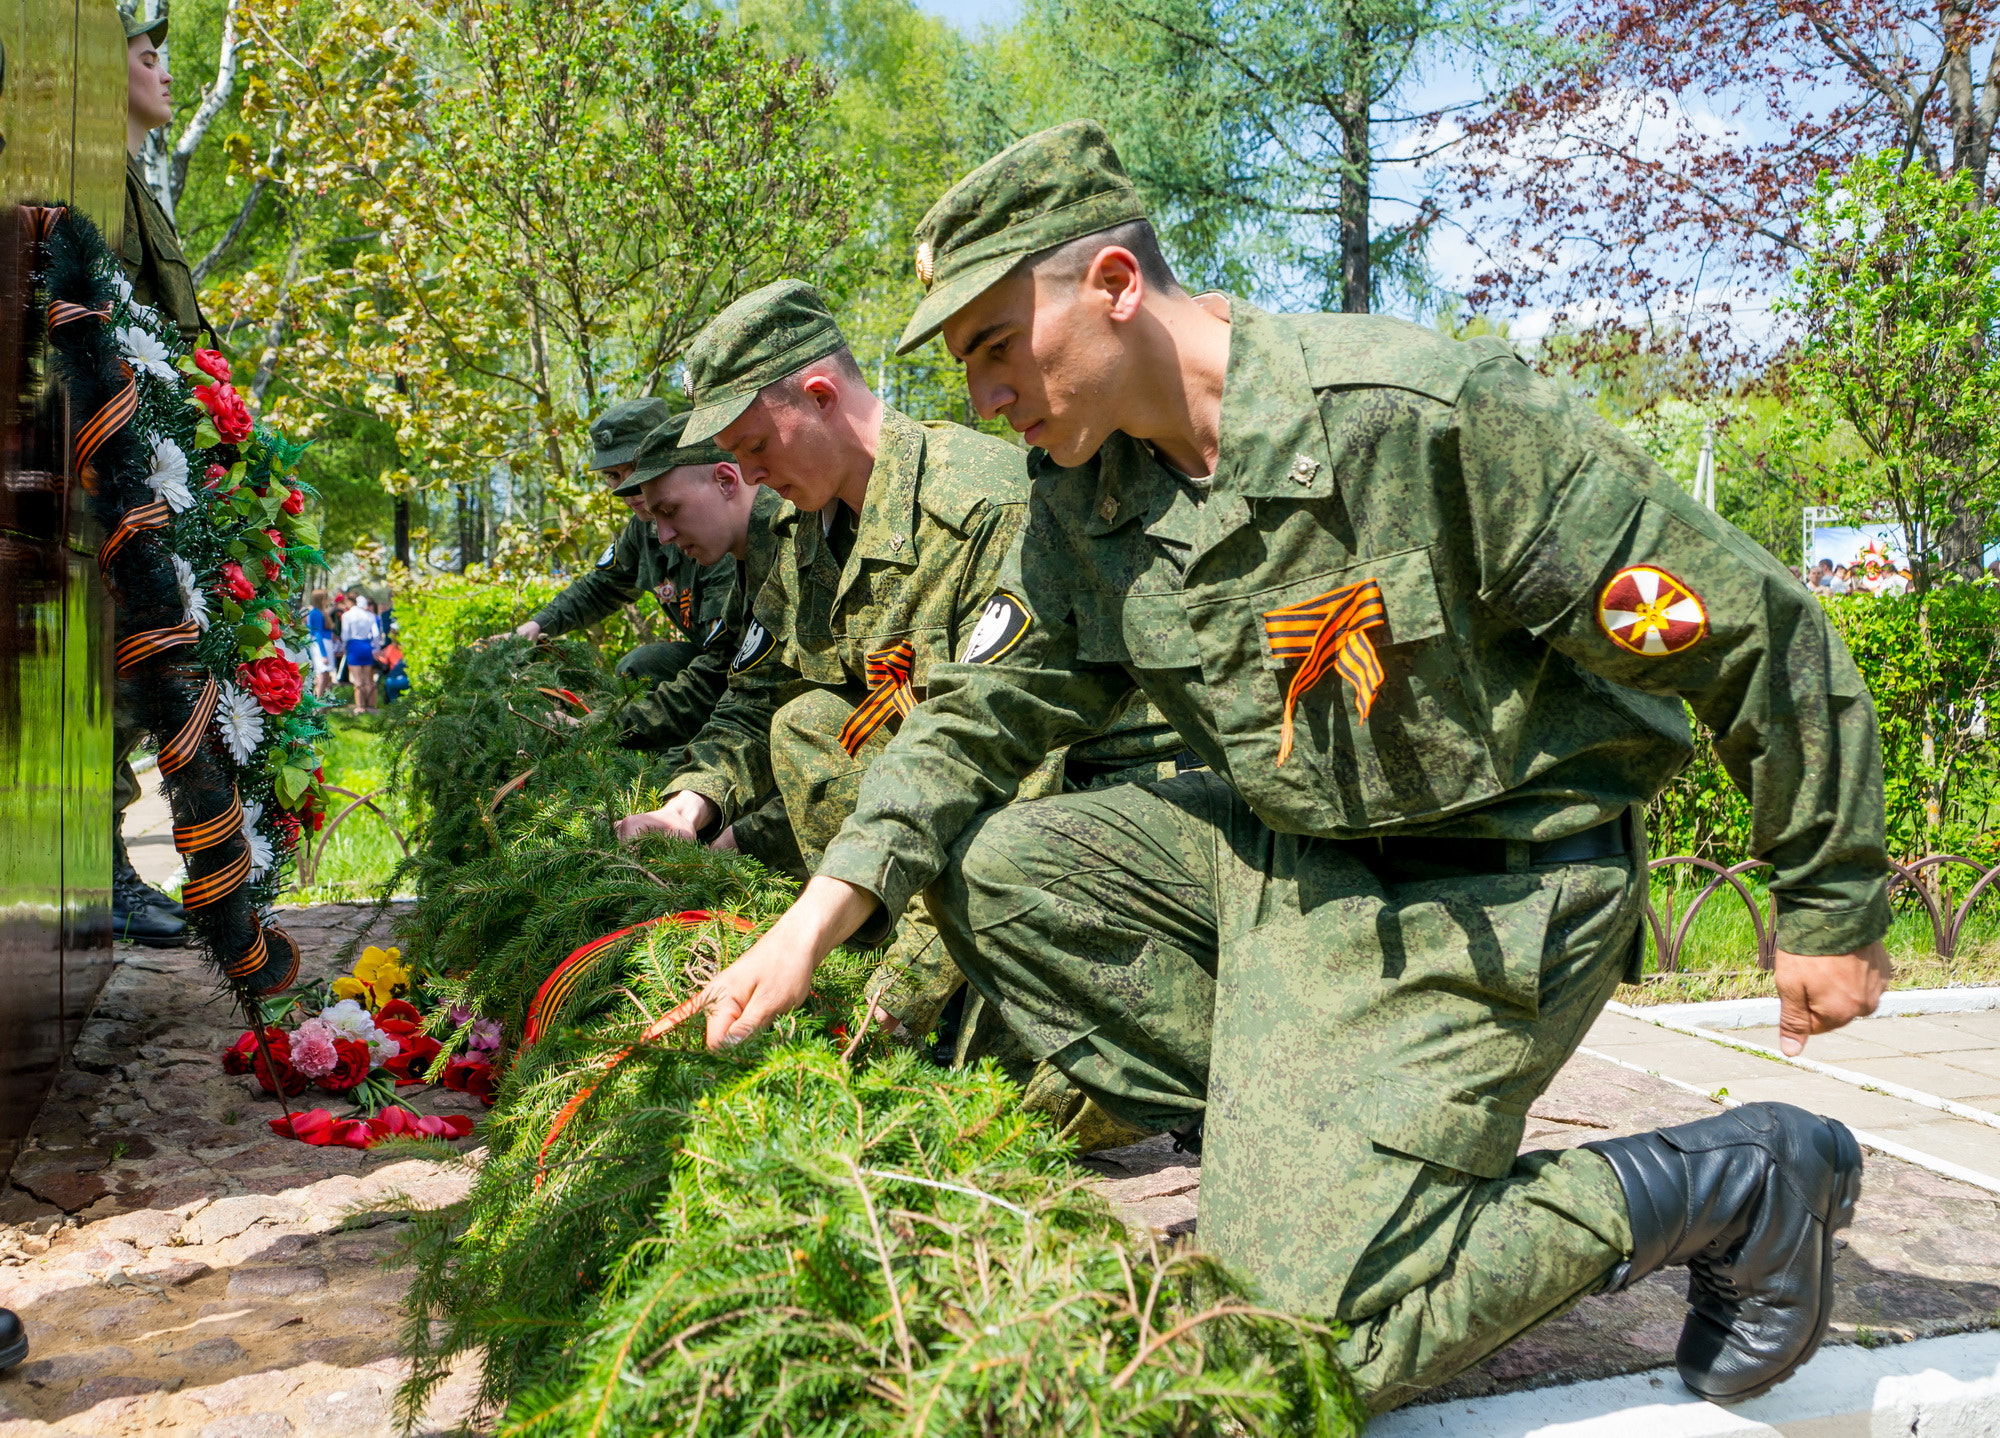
(311,854)
(1671,925)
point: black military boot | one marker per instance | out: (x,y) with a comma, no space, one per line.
(13,1339)
(134,921)
(1749,1200)
(125,877)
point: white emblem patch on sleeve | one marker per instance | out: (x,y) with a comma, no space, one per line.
(1001,625)
(609,550)
(756,646)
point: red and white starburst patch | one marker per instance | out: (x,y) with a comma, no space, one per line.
(1649,612)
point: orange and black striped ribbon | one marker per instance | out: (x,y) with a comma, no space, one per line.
(687,613)
(1330,630)
(138,519)
(116,414)
(44,218)
(179,750)
(62,312)
(563,979)
(141,647)
(889,693)
(197,893)
(192,838)
(251,959)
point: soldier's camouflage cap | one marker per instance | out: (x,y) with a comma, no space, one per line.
(615,435)
(1044,191)
(138,23)
(763,337)
(664,449)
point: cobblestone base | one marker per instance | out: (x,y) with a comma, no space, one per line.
(181,1269)
(1922,1258)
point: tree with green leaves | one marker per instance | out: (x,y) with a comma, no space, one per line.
(1898,300)
(508,213)
(1259,128)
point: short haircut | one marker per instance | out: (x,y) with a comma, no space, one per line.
(1071,259)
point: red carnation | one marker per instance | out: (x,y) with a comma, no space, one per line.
(235,583)
(470,1075)
(295,501)
(241,1054)
(226,410)
(273,682)
(352,1068)
(212,364)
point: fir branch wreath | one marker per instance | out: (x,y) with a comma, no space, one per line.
(205,556)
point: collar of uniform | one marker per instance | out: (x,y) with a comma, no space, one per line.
(1132,484)
(1273,442)
(887,529)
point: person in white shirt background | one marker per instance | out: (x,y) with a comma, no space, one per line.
(360,632)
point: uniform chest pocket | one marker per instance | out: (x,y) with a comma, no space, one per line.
(1146,631)
(1288,616)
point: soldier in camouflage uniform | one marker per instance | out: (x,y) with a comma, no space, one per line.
(692,596)
(1430,623)
(698,502)
(149,251)
(891,540)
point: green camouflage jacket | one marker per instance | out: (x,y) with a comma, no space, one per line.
(1536,599)
(694,598)
(677,708)
(944,505)
(150,251)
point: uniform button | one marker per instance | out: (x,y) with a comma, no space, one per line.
(895,541)
(1108,510)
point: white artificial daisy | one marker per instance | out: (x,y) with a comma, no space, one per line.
(241,721)
(124,288)
(194,599)
(148,354)
(169,474)
(260,847)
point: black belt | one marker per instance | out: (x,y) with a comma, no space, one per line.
(1496,856)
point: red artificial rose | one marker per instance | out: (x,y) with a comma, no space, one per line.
(289,823)
(226,411)
(352,1068)
(410,1066)
(274,573)
(274,683)
(279,1075)
(470,1075)
(319,820)
(235,583)
(212,364)
(213,473)
(295,501)
(277,539)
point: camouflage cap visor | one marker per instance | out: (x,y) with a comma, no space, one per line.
(655,465)
(721,406)
(708,420)
(154,29)
(602,459)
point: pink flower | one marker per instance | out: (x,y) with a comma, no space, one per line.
(313,1053)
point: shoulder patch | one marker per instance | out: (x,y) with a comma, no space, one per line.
(1001,625)
(604,559)
(758,642)
(1645,610)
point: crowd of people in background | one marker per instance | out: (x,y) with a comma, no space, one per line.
(354,642)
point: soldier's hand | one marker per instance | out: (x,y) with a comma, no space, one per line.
(682,817)
(725,842)
(529,630)
(1818,993)
(776,974)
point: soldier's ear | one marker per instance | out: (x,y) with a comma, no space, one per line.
(727,478)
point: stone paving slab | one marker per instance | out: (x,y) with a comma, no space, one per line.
(1955,1056)
(1922,1259)
(181,1269)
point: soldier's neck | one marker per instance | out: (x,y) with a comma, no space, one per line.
(1177,360)
(859,445)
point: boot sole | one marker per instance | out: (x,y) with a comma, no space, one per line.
(14,1352)
(1847,1155)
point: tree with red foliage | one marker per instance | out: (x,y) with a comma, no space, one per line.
(1667,170)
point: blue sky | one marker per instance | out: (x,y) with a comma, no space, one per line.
(970,14)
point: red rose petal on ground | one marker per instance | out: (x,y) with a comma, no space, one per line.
(314,1126)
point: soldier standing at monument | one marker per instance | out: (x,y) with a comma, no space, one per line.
(691,595)
(1430,623)
(149,250)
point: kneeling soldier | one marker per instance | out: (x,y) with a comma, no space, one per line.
(1430,623)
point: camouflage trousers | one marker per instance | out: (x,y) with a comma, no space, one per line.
(1361,1039)
(915,978)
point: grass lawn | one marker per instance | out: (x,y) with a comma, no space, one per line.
(356,859)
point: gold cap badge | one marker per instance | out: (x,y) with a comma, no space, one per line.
(926,267)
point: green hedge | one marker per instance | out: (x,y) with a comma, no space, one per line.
(440,614)
(1942,684)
